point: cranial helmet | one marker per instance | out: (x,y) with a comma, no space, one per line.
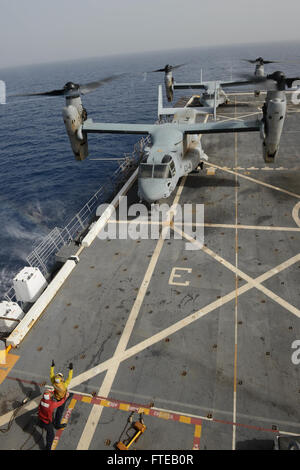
(58,378)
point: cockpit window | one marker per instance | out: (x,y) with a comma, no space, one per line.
(155,171)
(162,171)
(166,159)
(145,170)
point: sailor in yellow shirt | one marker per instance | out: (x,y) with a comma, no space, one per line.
(60,389)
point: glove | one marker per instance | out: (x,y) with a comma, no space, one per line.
(71,365)
(53,363)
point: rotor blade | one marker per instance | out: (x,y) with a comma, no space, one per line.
(276,78)
(262,61)
(82,89)
(295,62)
(45,93)
(178,66)
(172,67)
(272,61)
(266,83)
(250,61)
(158,70)
(88,87)
(269,82)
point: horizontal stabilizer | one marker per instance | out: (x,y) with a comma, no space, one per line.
(211,84)
(171,111)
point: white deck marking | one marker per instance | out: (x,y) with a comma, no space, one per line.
(240,118)
(204,409)
(251,168)
(229,118)
(211,225)
(174,274)
(254,180)
(295,213)
(132,351)
(31,405)
(248,227)
(236,300)
(87,375)
(205,418)
(4,419)
(256,283)
(95,414)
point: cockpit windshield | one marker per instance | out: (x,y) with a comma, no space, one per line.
(145,170)
(162,171)
(156,171)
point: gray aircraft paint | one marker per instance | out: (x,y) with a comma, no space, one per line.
(175,148)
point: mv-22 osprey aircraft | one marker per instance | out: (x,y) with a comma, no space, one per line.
(176,148)
(259,63)
(212,94)
(212,91)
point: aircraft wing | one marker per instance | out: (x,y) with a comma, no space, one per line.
(205,85)
(220,127)
(111,128)
(236,83)
(192,86)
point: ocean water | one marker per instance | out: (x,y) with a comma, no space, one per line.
(42,186)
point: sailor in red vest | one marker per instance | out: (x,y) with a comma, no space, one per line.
(46,408)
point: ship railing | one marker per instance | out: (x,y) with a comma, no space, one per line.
(43,255)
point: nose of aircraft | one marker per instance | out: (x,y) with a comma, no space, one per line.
(153,189)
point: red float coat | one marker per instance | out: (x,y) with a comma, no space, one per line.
(47,406)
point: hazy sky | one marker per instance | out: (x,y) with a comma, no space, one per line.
(33,31)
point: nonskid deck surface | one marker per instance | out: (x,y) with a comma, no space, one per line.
(199,341)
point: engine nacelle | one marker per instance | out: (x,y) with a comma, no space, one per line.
(74,114)
(193,157)
(259,72)
(169,80)
(274,112)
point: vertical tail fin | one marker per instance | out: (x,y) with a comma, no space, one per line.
(161,111)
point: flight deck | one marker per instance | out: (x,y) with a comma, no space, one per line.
(196,344)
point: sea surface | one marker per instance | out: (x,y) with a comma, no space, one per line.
(42,186)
